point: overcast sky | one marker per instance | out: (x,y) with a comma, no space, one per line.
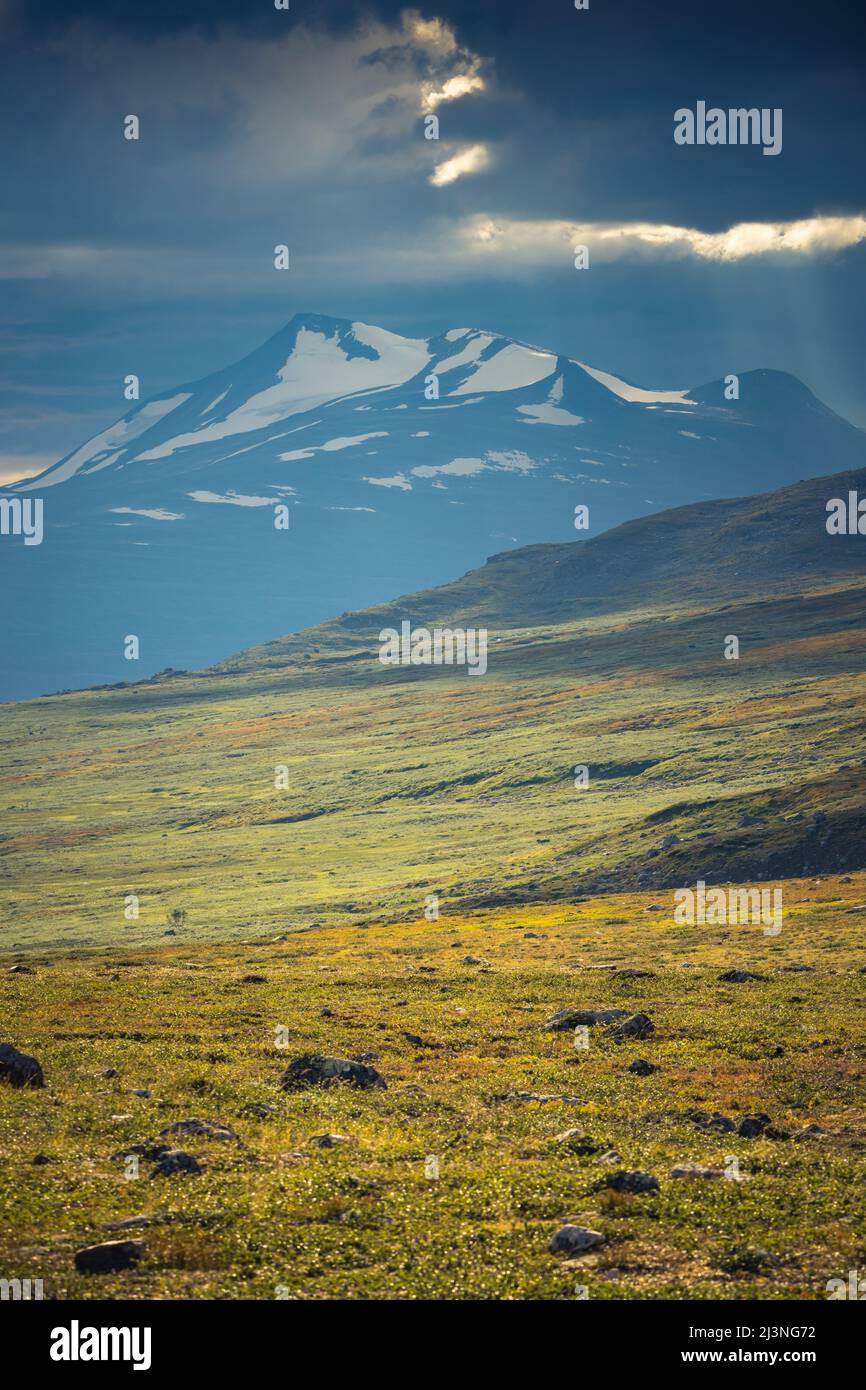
(306,127)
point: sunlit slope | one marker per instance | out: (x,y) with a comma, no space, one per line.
(407,782)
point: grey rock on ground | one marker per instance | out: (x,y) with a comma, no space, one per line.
(575,1240)
(207,1129)
(175,1161)
(641,1067)
(716,1122)
(636,1026)
(809,1132)
(565,1019)
(18,1068)
(636,1183)
(579,1142)
(315,1070)
(751,1126)
(109,1257)
(696,1170)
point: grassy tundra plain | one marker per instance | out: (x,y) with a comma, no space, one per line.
(303,911)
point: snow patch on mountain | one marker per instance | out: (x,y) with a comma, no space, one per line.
(512,460)
(478,343)
(104,463)
(399,480)
(119,433)
(221,397)
(550,412)
(318,370)
(231,499)
(547,414)
(155,513)
(509,369)
(461,468)
(345,441)
(634,393)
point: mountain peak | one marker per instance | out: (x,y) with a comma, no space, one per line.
(392,482)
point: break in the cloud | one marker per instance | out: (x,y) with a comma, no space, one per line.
(244,110)
(469,161)
(538,242)
(479,245)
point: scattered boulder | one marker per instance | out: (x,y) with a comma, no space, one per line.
(206,1129)
(254,979)
(315,1070)
(740,977)
(475,960)
(175,1161)
(717,1123)
(808,1132)
(328,1141)
(19,1069)
(578,1142)
(566,1019)
(130,1223)
(149,1150)
(575,1240)
(636,1026)
(751,1126)
(107,1073)
(109,1257)
(417,1041)
(632,973)
(696,1170)
(21,970)
(40,1160)
(751,1259)
(611,1156)
(641,1067)
(636,1183)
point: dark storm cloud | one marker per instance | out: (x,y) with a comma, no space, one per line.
(261,126)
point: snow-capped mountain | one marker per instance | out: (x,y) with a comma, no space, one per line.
(402,462)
